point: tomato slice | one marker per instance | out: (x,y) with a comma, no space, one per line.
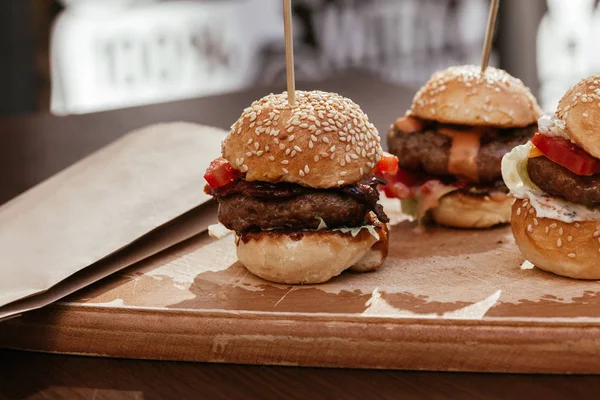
(567,154)
(220,173)
(401,185)
(387,165)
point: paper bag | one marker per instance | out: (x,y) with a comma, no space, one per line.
(102,204)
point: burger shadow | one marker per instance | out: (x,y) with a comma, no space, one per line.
(236,289)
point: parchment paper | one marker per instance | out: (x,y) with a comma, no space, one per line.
(102,204)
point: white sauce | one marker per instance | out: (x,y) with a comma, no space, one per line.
(514,173)
(552,126)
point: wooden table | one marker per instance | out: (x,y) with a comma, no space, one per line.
(34,147)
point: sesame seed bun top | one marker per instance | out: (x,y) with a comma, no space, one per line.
(324,141)
(580,109)
(462,95)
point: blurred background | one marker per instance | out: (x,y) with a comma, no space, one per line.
(81,56)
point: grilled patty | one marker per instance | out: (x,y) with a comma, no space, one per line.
(558,181)
(250,206)
(429,151)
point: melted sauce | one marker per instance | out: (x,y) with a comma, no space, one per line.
(463,153)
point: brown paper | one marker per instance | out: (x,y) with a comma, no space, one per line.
(102,204)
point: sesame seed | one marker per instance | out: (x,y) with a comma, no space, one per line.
(535,222)
(586,115)
(316,158)
(248,154)
(313,138)
(259,153)
(596,234)
(285,162)
(298,149)
(311,145)
(256,145)
(287,152)
(559,242)
(561,231)
(281,146)
(271,158)
(294,152)
(340,182)
(304,126)
(569,238)
(519,211)
(250,141)
(529,228)
(325,139)
(343,173)
(290,129)
(332,148)
(571,255)
(577,225)
(291,138)
(547,229)
(285,171)
(553,225)
(301,173)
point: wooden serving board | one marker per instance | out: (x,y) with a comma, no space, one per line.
(445,299)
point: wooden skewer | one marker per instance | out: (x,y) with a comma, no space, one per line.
(489,35)
(289,51)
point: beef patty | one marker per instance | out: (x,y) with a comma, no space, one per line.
(429,151)
(246,206)
(558,181)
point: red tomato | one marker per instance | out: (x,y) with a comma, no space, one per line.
(220,173)
(387,165)
(401,185)
(567,154)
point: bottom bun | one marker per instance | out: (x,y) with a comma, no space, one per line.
(461,210)
(567,249)
(307,257)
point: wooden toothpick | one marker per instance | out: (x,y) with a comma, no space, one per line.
(489,35)
(289,51)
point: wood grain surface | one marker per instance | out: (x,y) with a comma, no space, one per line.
(44,376)
(450,300)
(37,146)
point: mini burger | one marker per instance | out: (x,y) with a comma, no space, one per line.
(451,142)
(556,181)
(297,186)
